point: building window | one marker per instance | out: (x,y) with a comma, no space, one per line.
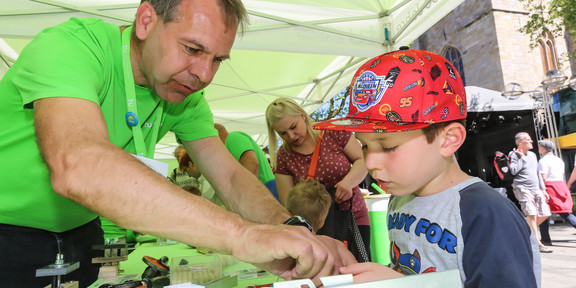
(453,55)
(548,52)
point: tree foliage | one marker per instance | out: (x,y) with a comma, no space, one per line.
(337,107)
(554,16)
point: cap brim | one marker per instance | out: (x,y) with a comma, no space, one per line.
(367,126)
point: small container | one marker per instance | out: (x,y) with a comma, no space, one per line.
(198,269)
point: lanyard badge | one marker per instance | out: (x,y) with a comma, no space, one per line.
(132,114)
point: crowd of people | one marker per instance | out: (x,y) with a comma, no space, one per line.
(79,142)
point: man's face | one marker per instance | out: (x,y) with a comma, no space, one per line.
(526,143)
(181,57)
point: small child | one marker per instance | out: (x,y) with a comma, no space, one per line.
(408,109)
(186,166)
(310,200)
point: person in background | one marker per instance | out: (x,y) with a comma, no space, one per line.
(408,109)
(187,167)
(81,110)
(551,167)
(310,200)
(339,164)
(246,151)
(183,179)
(528,185)
(572,180)
(193,189)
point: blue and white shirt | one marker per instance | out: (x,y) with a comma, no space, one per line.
(469,227)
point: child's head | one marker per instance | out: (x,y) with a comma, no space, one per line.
(185,164)
(178,150)
(408,109)
(310,200)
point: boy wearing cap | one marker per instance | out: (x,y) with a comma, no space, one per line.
(408,109)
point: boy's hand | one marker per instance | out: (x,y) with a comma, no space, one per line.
(364,272)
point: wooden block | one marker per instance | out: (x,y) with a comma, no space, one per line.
(71,284)
(107,272)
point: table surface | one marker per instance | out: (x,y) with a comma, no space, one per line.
(134,265)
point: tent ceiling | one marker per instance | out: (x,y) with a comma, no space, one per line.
(307,50)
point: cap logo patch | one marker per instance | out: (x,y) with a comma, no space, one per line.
(415,116)
(407,59)
(444,113)
(384,109)
(412,85)
(460,104)
(435,72)
(430,108)
(393,116)
(348,122)
(447,88)
(450,70)
(369,88)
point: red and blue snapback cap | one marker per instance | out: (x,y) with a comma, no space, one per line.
(402,90)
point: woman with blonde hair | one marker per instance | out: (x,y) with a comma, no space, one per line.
(340,162)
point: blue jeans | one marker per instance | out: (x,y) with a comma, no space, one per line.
(24,249)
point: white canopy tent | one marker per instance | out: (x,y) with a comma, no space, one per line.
(303,49)
(481,99)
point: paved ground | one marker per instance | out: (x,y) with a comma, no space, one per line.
(559,267)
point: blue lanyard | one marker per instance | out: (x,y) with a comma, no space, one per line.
(132,115)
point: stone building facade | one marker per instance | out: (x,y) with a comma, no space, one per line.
(493,51)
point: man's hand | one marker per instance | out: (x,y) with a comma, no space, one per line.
(364,272)
(291,252)
(519,152)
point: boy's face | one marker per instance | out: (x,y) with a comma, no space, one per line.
(403,162)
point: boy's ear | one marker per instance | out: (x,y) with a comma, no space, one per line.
(453,136)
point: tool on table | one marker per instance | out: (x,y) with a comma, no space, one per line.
(57,269)
(113,254)
(156,274)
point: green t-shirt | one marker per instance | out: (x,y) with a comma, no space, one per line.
(239,142)
(80,58)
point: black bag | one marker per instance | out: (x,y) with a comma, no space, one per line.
(341,225)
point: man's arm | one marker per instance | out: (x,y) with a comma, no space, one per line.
(572,177)
(240,190)
(250,162)
(85,167)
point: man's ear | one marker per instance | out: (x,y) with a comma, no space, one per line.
(453,136)
(146,18)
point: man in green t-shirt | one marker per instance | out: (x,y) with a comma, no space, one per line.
(246,151)
(85,93)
